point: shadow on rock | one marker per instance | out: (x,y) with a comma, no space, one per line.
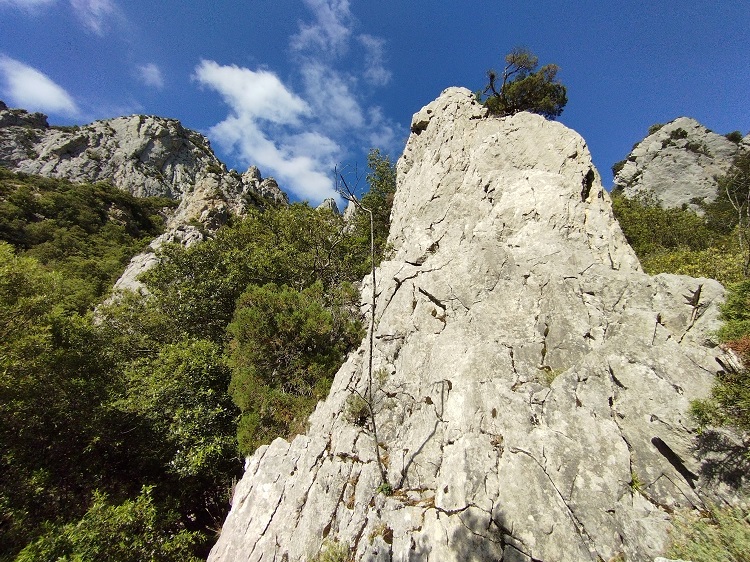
(724,458)
(476,536)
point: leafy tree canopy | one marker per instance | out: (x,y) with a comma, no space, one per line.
(86,232)
(523,88)
(118,433)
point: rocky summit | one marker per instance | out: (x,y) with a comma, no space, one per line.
(531,382)
(143,155)
(678,164)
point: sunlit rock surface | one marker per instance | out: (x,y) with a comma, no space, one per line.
(535,403)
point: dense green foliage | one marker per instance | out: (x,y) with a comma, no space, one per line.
(731,210)
(285,347)
(118,433)
(379,199)
(85,232)
(132,531)
(678,240)
(523,88)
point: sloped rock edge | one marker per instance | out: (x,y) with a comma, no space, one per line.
(508,271)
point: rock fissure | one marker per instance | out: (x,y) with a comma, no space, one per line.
(585,538)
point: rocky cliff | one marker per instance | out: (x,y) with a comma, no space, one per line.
(678,163)
(533,381)
(145,156)
(141,154)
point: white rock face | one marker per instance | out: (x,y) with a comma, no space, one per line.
(330,204)
(143,155)
(535,404)
(678,163)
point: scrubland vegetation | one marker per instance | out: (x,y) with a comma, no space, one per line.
(122,428)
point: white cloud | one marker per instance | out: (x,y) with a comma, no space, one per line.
(300,138)
(150,74)
(30,89)
(330,94)
(331,30)
(375,71)
(96,14)
(257,94)
(259,105)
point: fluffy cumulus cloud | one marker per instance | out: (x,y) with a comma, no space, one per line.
(28,88)
(265,127)
(150,74)
(299,137)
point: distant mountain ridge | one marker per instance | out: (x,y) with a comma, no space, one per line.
(678,163)
(141,154)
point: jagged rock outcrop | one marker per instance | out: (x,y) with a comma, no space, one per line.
(534,404)
(143,155)
(678,164)
(330,204)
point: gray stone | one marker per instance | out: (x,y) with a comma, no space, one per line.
(538,382)
(331,205)
(145,156)
(678,164)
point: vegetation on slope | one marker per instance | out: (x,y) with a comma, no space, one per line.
(85,232)
(119,432)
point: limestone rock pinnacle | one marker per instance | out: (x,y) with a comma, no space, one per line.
(537,381)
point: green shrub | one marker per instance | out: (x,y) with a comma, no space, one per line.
(654,128)
(648,227)
(736,312)
(734,136)
(523,89)
(333,551)
(721,534)
(617,166)
(285,346)
(132,531)
(87,232)
(678,133)
(722,263)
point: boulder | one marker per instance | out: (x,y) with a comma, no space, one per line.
(532,382)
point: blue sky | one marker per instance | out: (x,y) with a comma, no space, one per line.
(297,86)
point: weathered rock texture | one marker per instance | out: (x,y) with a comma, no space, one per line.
(537,381)
(678,164)
(143,155)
